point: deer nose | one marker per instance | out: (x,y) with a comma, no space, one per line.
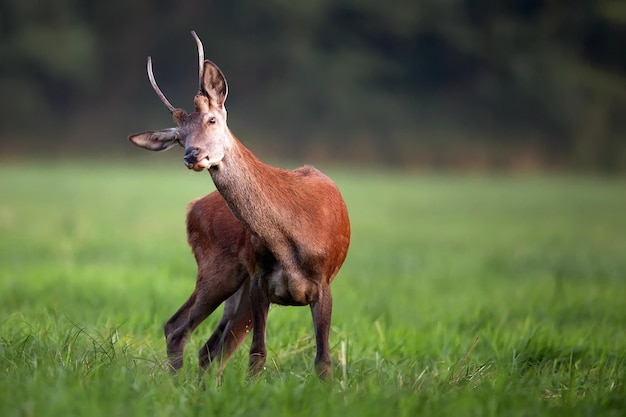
(191,156)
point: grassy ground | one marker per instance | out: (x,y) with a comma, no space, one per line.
(461,296)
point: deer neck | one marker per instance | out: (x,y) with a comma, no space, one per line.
(255,192)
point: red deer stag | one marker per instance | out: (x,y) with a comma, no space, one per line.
(269,236)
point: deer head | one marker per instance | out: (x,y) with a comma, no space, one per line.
(203,133)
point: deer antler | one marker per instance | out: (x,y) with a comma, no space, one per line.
(200,60)
(157,89)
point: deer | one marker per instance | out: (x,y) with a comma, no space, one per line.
(267,235)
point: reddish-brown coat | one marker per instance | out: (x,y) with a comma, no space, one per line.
(267,235)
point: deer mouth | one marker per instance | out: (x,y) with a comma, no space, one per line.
(200,165)
(196,159)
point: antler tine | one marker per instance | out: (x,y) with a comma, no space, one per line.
(157,89)
(200,59)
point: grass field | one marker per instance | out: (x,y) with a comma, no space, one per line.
(490,296)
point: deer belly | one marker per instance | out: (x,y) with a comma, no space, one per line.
(290,290)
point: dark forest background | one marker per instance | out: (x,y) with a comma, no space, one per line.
(462,84)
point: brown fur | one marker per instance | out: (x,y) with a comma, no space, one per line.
(223,251)
(268,235)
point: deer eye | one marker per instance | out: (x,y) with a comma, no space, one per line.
(212,120)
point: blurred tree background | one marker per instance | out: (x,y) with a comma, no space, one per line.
(462,84)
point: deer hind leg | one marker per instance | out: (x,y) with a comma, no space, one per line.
(321,310)
(206,297)
(234,326)
(175,345)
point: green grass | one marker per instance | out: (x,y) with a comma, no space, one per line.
(491,296)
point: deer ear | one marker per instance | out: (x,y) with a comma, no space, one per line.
(214,85)
(160,140)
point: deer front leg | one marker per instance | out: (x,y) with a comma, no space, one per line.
(321,310)
(259,300)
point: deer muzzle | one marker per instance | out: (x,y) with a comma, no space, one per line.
(193,162)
